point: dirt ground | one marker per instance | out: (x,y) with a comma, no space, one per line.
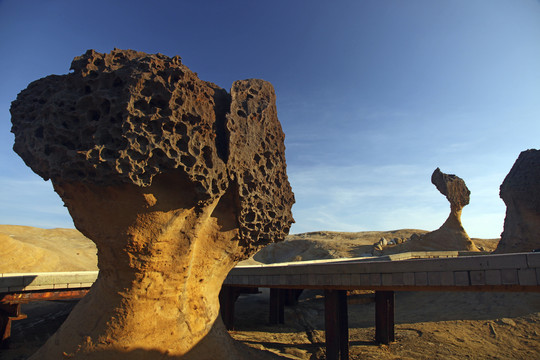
(429,325)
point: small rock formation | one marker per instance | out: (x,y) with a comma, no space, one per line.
(451,235)
(520,192)
(415,237)
(174,179)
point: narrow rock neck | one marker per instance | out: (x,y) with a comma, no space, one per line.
(162,262)
(454,219)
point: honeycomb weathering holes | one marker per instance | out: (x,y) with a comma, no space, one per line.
(127,116)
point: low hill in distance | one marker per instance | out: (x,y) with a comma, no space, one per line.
(31,249)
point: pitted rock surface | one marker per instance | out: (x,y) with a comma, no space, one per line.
(127,116)
(123,117)
(174,179)
(259,154)
(520,192)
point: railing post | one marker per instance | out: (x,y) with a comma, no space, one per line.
(336,324)
(384,317)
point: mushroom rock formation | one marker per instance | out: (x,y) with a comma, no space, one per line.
(520,192)
(174,179)
(451,235)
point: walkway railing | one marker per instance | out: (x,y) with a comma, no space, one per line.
(406,272)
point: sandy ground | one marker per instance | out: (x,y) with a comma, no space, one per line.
(428,325)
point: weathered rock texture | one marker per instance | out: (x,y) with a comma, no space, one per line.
(520,192)
(173,178)
(454,189)
(451,235)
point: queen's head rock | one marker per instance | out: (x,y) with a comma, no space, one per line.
(520,192)
(173,178)
(454,188)
(451,235)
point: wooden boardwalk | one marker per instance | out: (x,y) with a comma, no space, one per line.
(440,271)
(417,271)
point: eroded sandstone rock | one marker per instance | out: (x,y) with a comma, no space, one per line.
(454,188)
(173,178)
(451,235)
(520,192)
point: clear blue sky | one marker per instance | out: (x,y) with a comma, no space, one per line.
(372,95)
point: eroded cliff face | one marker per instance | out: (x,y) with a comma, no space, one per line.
(520,192)
(173,178)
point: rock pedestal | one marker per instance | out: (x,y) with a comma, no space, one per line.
(174,179)
(520,192)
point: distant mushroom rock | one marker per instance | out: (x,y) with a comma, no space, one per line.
(454,189)
(520,192)
(174,179)
(451,235)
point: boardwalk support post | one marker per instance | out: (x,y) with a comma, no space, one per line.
(384,317)
(277,306)
(336,325)
(292,295)
(8,313)
(227,298)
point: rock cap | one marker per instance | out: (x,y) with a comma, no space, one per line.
(451,186)
(125,117)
